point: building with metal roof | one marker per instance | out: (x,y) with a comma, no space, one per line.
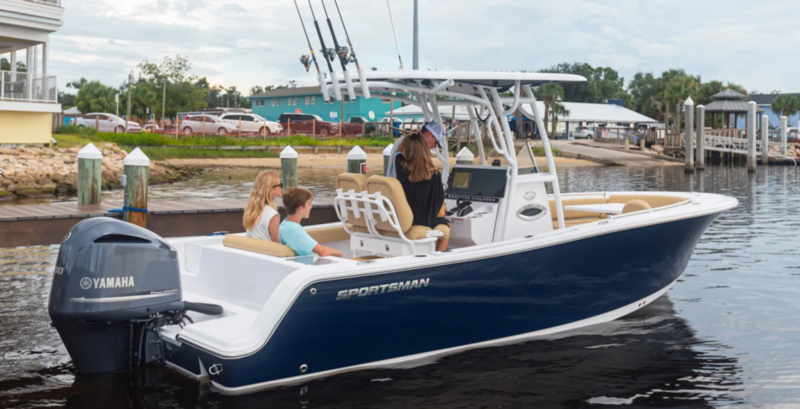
(764,102)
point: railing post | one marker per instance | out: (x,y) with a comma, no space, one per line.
(765,140)
(784,134)
(2,85)
(751,137)
(465,156)
(357,161)
(289,167)
(688,108)
(700,160)
(137,173)
(90,175)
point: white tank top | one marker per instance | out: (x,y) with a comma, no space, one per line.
(261,229)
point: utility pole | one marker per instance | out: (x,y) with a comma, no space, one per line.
(164,104)
(416,35)
(128,117)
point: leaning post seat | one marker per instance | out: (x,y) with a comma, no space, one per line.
(387,218)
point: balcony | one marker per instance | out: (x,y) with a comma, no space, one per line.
(24,87)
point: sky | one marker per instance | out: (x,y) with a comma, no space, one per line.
(244,43)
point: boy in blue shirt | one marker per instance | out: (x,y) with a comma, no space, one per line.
(297,202)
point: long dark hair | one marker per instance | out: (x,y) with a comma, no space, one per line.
(418,162)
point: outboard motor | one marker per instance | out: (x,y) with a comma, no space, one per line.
(114,285)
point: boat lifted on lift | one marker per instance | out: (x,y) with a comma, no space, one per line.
(522,263)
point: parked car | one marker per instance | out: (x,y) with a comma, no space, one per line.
(395,124)
(195,124)
(253,123)
(308,124)
(360,121)
(106,122)
(151,128)
(583,132)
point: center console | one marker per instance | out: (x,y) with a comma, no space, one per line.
(473,199)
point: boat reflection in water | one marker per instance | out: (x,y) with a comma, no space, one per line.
(650,358)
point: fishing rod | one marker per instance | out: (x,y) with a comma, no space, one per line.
(328,54)
(364,87)
(343,53)
(306,60)
(397,44)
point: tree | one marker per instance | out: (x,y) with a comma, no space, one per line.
(786,105)
(602,83)
(77,84)
(550,95)
(5,65)
(96,97)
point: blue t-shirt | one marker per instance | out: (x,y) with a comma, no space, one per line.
(294,235)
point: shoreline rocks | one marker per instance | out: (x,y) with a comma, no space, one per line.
(42,171)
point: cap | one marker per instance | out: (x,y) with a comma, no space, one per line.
(437,131)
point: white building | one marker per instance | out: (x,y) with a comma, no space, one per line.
(28,99)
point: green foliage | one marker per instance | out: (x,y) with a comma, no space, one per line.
(787,105)
(5,65)
(96,97)
(602,83)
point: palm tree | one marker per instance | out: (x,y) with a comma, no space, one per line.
(676,91)
(549,94)
(786,105)
(558,110)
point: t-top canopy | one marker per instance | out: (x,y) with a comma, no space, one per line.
(485,78)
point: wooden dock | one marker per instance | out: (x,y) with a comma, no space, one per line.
(34,225)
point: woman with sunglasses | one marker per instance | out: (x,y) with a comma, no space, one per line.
(261,220)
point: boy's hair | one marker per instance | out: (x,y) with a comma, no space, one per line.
(294,198)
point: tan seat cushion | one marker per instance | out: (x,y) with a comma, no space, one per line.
(574,214)
(653,200)
(358,183)
(391,189)
(635,206)
(329,234)
(259,246)
(576,222)
(357,229)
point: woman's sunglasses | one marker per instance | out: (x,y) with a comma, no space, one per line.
(280,185)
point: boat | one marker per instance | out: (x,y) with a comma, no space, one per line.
(525,260)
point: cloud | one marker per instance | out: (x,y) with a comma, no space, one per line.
(256,42)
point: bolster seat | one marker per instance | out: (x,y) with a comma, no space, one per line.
(391,189)
(357,183)
(266,247)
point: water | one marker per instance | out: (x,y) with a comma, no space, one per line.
(725,335)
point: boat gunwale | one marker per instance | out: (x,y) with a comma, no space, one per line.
(302,279)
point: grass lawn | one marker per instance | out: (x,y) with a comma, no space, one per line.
(166,152)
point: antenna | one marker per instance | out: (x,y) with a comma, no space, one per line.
(305,59)
(391,19)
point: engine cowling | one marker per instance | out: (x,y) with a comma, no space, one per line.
(111,279)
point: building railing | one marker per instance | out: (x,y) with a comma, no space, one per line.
(24,87)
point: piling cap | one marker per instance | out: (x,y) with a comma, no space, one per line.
(701,107)
(357,154)
(90,152)
(288,153)
(689,101)
(388,150)
(465,155)
(136,158)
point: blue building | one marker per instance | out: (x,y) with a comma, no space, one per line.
(764,102)
(308,100)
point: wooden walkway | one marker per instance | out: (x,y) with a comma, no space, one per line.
(32,225)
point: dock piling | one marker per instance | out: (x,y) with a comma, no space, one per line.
(465,157)
(751,137)
(784,134)
(357,161)
(700,159)
(137,175)
(765,140)
(90,175)
(688,108)
(387,153)
(289,167)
